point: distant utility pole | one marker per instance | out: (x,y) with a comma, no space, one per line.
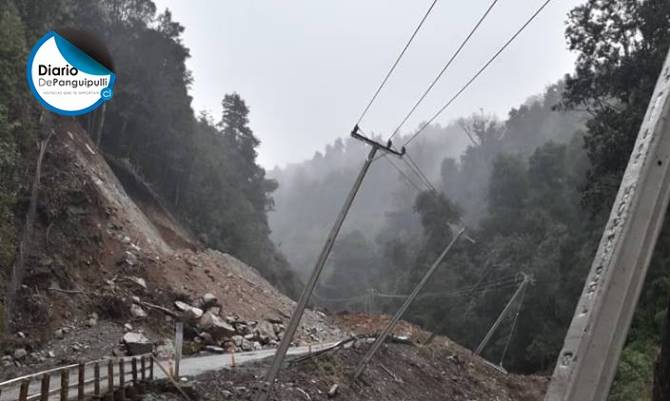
(382,337)
(503,314)
(587,364)
(321,261)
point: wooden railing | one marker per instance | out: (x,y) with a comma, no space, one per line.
(117,379)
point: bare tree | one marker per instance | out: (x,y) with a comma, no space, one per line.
(18,269)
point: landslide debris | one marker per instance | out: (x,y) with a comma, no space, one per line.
(399,372)
(102,265)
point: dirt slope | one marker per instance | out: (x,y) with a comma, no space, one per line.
(93,242)
(399,372)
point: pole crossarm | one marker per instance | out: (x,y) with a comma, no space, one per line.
(588,361)
(388,148)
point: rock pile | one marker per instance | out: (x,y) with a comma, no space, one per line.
(214,332)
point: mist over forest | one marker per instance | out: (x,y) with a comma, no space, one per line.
(534,189)
(456,158)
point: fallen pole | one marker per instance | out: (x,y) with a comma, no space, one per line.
(389,327)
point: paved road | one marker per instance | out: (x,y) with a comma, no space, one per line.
(189,367)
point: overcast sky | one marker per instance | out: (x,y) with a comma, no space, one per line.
(307,68)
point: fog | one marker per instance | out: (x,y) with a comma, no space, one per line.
(308,68)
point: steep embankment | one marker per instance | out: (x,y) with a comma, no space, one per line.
(99,261)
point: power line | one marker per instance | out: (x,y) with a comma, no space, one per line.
(491,60)
(446,66)
(423,176)
(513,328)
(395,64)
(402,173)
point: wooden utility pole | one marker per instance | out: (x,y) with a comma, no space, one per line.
(589,358)
(292,326)
(398,315)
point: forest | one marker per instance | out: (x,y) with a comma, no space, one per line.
(203,166)
(533,189)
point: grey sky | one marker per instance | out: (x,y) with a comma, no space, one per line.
(307,67)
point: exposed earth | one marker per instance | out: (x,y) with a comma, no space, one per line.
(102,259)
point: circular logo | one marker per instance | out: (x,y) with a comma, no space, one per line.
(66,80)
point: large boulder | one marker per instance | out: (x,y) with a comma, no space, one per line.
(137,343)
(265,332)
(215,326)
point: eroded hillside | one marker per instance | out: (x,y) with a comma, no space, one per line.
(99,262)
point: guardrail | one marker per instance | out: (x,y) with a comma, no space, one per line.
(114,378)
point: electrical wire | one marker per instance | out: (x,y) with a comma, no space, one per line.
(402,173)
(481,70)
(446,66)
(423,176)
(395,64)
(513,328)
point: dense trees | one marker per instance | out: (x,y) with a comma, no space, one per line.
(536,189)
(206,170)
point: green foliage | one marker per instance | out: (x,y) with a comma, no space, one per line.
(206,171)
(634,379)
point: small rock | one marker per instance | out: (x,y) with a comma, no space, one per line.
(247,345)
(206,337)
(127,327)
(226,394)
(51,354)
(209,299)
(231,319)
(216,326)
(76,347)
(21,334)
(20,353)
(165,350)
(266,332)
(59,334)
(333,391)
(135,299)
(92,322)
(137,343)
(194,313)
(138,280)
(130,258)
(214,349)
(278,328)
(182,306)
(137,311)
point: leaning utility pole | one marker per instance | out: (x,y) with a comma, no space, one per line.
(503,314)
(398,315)
(321,261)
(589,358)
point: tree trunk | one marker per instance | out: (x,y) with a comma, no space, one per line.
(101,124)
(18,270)
(662,374)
